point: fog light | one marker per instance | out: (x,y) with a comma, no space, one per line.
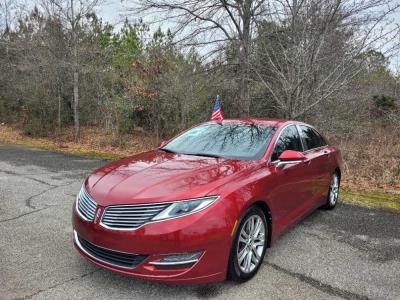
(184,260)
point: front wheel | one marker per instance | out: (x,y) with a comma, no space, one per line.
(333,194)
(249,245)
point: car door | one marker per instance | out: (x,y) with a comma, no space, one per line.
(317,157)
(289,187)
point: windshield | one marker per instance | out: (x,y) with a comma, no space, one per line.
(233,141)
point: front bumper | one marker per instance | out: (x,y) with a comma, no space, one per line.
(208,232)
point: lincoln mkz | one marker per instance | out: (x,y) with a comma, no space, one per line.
(205,205)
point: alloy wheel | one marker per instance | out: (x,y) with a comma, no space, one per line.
(334,190)
(250,244)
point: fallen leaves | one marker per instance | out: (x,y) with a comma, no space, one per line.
(94,142)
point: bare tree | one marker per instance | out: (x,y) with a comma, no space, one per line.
(72,12)
(6,19)
(212,24)
(311,49)
(9,13)
(4,15)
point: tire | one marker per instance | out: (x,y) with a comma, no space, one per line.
(333,193)
(243,267)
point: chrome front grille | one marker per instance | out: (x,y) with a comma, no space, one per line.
(86,205)
(131,216)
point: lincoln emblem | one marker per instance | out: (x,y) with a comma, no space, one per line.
(98,213)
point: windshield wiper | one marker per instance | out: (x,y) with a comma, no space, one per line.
(204,154)
(166,150)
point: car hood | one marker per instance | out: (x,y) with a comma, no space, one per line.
(157,176)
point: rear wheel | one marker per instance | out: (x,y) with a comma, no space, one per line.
(333,194)
(249,245)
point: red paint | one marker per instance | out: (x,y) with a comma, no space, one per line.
(290,155)
(290,192)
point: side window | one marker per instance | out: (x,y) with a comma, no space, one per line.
(321,141)
(288,140)
(311,138)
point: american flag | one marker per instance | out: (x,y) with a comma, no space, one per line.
(217,114)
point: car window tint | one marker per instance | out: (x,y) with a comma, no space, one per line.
(311,138)
(288,140)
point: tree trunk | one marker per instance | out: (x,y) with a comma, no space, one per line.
(243,105)
(76,104)
(76,75)
(59,111)
(244,52)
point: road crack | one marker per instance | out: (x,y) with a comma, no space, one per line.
(326,288)
(28,177)
(24,214)
(28,201)
(58,284)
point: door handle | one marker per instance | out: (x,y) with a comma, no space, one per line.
(327,153)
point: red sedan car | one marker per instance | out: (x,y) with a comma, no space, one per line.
(205,205)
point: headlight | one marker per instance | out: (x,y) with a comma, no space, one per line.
(185,207)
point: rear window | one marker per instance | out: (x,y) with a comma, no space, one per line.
(311,138)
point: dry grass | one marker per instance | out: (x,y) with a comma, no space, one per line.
(93,143)
(372,162)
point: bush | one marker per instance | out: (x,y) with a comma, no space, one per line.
(38,119)
(9,111)
(385,103)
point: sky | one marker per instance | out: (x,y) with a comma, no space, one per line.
(112,11)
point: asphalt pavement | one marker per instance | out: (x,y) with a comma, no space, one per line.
(347,253)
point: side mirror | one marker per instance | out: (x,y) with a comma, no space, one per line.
(162,144)
(288,157)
